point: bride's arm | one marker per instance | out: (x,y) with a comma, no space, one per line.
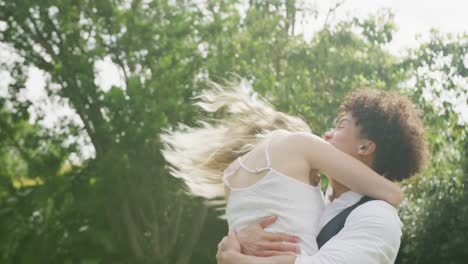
(344,168)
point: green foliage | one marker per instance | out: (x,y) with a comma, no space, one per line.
(121,206)
(436,210)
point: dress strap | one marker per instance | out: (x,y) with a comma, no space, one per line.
(267,153)
(225,181)
(230,170)
(257,170)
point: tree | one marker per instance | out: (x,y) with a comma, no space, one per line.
(436,207)
(121,205)
(132,209)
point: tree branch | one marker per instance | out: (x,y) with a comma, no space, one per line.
(331,11)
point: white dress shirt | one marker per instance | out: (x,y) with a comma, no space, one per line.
(371,233)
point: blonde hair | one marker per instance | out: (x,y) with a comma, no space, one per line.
(199,155)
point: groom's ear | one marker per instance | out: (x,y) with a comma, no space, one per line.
(367,147)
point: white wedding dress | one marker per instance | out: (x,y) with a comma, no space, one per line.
(298,206)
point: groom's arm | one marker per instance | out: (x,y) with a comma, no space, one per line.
(371,235)
(229,252)
(255,241)
(239,258)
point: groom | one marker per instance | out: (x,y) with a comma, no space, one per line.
(354,229)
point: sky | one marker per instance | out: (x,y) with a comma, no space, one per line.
(413,18)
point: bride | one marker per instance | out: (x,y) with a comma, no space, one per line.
(265,163)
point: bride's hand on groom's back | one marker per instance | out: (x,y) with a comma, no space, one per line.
(255,241)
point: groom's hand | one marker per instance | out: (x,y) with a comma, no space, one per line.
(255,241)
(229,249)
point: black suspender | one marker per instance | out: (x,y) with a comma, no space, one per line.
(335,225)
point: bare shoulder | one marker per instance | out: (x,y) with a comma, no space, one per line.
(289,137)
(303,144)
(304,140)
(279,135)
(280,132)
(295,134)
(288,158)
(298,144)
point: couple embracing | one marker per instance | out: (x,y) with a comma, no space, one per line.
(268,165)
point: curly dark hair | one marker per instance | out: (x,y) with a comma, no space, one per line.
(393,123)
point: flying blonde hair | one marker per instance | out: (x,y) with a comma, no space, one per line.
(199,155)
